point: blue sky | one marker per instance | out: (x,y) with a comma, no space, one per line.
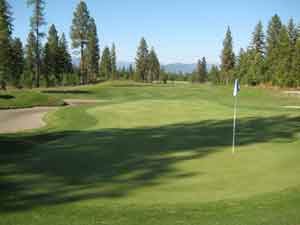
(180,30)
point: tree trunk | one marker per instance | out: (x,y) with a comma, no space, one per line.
(82,72)
(37,52)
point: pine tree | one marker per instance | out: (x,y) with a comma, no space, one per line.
(51,57)
(5,41)
(204,71)
(79,34)
(282,65)
(47,65)
(37,21)
(105,65)
(241,70)
(258,40)
(255,73)
(17,61)
(64,59)
(296,64)
(93,52)
(142,61)
(256,57)
(198,72)
(214,75)
(227,58)
(201,74)
(130,72)
(153,67)
(293,37)
(29,78)
(113,62)
(273,33)
(293,33)
(123,73)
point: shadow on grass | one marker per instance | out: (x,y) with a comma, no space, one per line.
(57,168)
(79,92)
(7,97)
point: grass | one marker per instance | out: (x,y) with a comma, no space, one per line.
(155,154)
(25,99)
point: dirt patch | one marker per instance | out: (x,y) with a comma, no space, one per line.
(77,102)
(16,120)
(292,93)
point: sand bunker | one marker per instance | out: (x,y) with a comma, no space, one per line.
(16,120)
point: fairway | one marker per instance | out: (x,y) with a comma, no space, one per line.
(154,155)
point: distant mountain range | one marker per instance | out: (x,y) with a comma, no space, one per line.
(179,68)
(171,68)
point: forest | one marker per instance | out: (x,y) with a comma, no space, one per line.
(271,59)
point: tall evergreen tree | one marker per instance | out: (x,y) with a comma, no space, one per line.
(29,78)
(17,61)
(51,57)
(256,57)
(214,75)
(141,61)
(64,59)
(256,73)
(93,52)
(258,39)
(273,33)
(153,67)
(105,65)
(198,72)
(37,21)
(283,63)
(227,58)
(130,72)
(79,34)
(5,41)
(296,64)
(241,68)
(47,65)
(201,71)
(113,62)
(293,33)
(204,76)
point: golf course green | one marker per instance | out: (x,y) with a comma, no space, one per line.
(153,154)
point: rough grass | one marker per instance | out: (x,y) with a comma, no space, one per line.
(154,154)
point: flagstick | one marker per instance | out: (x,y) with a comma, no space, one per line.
(234,124)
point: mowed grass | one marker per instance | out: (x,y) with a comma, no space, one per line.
(156,154)
(14,99)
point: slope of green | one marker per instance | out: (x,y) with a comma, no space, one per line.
(154,154)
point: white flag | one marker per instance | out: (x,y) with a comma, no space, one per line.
(237,88)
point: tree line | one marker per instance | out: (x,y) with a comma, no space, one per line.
(45,60)
(272,58)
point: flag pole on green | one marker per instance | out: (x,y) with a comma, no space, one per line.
(235,95)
